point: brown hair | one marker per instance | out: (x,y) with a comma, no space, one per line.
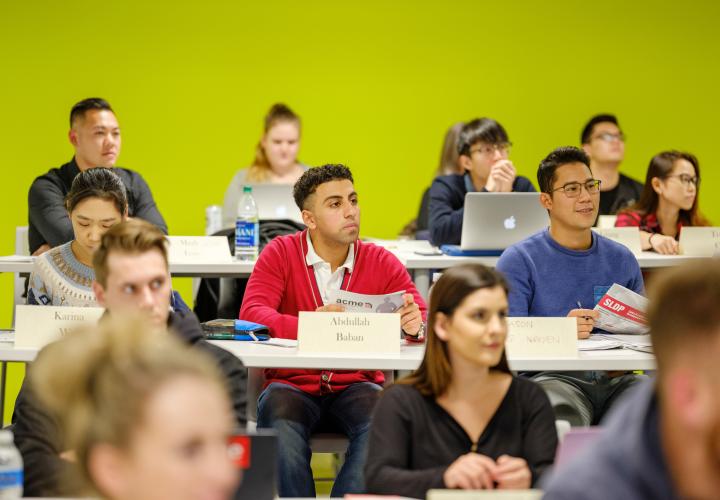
(661,166)
(449,155)
(684,308)
(259,171)
(434,374)
(100,183)
(97,381)
(132,236)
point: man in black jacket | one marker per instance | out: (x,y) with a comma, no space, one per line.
(95,136)
(131,277)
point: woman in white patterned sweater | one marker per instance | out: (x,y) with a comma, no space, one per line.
(63,275)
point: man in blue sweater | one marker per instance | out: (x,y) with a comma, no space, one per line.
(563,271)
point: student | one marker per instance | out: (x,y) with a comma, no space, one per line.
(662,441)
(95,136)
(295,273)
(131,276)
(461,420)
(146,416)
(604,143)
(483,149)
(668,202)
(564,271)
(63,275)
(275,159)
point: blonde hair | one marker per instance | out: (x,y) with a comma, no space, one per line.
(260,169)
(97,380)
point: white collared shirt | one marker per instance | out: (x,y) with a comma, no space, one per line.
(327,280)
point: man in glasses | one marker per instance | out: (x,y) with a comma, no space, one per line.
(484,147)
(563,271)
(604,143)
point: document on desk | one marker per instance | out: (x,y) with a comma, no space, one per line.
(360,302)
(622,311)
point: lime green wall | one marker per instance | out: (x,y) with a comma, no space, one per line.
(376,83)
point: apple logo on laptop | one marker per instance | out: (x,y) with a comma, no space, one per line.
(509,223)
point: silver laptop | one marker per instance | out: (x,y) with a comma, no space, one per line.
(495,221)
(275,201)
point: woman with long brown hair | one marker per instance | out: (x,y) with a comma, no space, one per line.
(668,202)
(462,420)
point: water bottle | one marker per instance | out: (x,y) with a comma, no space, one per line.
(247,231)
(11,467)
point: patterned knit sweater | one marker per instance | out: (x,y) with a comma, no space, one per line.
(59,279)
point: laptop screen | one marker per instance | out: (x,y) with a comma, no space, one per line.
(255,454)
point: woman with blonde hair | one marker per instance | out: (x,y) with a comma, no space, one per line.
(461,420)
(275,158)
(144,416)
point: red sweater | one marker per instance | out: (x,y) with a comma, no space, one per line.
(282,284)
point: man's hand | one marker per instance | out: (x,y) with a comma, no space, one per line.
(585,321)
(501,178)
(410,316)
(330,308)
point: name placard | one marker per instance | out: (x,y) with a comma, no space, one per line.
(37,326)
(198,249)
(532,338)
(484,495)
(628,236)
(348,332)
(700,241)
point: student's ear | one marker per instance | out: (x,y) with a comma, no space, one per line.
(656,184)
(546,201)
(126,213)
(465,162)
(440,326)
(72,137)
(108,468)
(99,292)
(308,219)
(685,394)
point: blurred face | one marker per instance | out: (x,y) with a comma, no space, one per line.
(607,143)
(281,144)
(96,138)
(678,189)
(477,330)
(137,283)
(572,212)
(333,212)
(179,450)
(91,218)
(483,156)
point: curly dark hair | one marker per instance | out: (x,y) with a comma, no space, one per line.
(312,178)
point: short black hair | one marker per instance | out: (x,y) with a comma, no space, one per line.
(480,130)
(100,183)
(312,178)
(588,130)
(79,110)
(557,158)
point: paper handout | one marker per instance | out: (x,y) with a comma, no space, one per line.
(622,311)
(360,302)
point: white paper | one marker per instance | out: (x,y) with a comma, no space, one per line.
(360,302)
(622,311)
(598,343)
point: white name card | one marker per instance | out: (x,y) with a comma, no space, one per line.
(37,326)
(541,338)
(198,249)
(484,495)
(700,241)
(348,332)
(628,236)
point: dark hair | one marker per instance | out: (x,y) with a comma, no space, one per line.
(588,130)
(661,166)
(100,183)
(557,158)
(684,309)
(79,110)
(449,155)
(260,169)
(480,130)
(312,178)
(434,374)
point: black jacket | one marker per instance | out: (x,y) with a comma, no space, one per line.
(38,436)
(48,220)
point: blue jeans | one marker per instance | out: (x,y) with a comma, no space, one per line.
(296,415)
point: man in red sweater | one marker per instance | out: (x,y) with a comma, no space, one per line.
(295,273)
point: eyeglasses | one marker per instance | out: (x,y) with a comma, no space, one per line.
(608,137)
(687,180)
(488,149)
(573,189)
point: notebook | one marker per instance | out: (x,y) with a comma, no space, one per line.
(256,454)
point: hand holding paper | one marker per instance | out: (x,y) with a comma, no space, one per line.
(585,321)
(410,316)
(622,311)
(330,308)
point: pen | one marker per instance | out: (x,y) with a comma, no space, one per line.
(580,307)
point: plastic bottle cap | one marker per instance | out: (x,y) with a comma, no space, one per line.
(247,189)
(6,437)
